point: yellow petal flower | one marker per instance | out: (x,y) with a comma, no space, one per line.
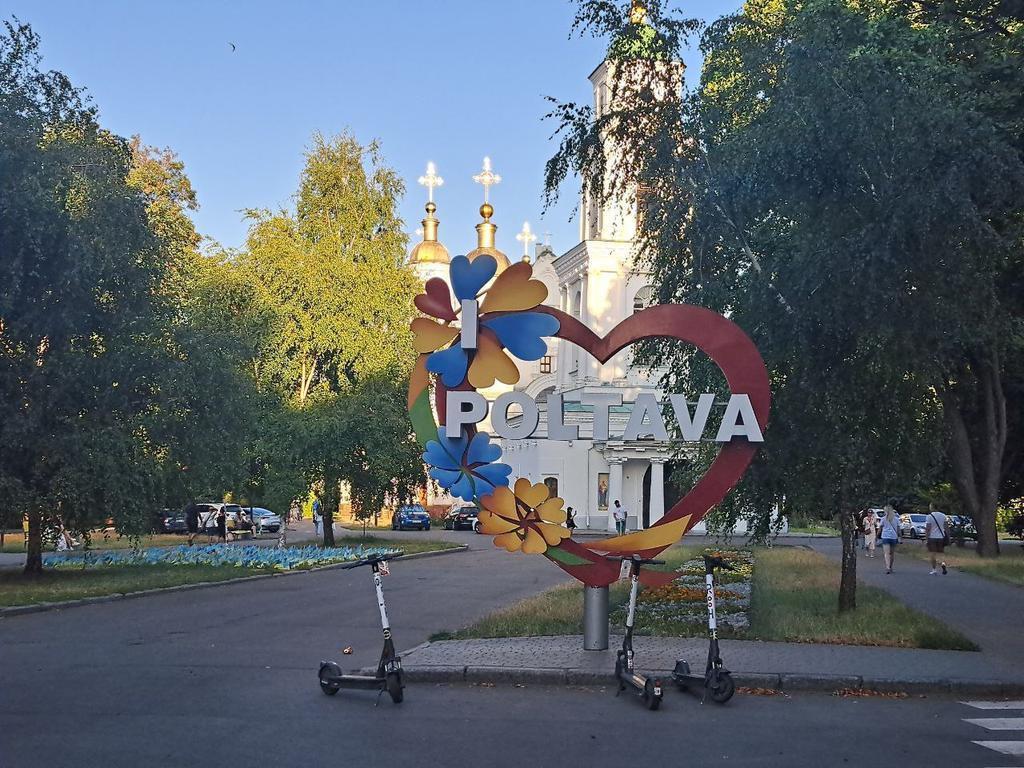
(489,363)
(509,541)
(553,534)
(431,336)
(531,495)
(534,543)
(491,524)
(551,511)
(501,502)
(513,290)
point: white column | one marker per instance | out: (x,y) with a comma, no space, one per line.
(614,487)
(657,508)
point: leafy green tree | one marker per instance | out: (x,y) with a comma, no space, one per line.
(333,275)
(79,328)
(852,179)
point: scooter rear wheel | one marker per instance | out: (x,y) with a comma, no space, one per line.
(721,688)
(651,700)
(328,670)
(395,687)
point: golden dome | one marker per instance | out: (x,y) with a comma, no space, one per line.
(485,240)
(430,251)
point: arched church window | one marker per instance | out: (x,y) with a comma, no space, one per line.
(552,484)
(643,298)
(577,303)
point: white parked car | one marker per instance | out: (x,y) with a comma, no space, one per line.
(263,520)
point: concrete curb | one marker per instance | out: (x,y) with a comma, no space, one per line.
(781,682)
(19,610)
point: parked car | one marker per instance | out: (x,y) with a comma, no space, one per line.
(913,525)
(409,517)
(265,520)
(961,528)
(461,519)
(236,518)
(174,522)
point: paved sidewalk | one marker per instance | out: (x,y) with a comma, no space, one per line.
(785,666)
(988,612)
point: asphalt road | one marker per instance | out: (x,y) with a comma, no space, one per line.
(227,676)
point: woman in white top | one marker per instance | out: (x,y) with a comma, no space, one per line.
(890,534)
(869,533)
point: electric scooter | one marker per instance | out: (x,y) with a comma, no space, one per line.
(389,669)
(716,681)
(647,688)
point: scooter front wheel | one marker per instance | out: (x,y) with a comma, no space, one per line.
(329,670)
(721,687)
(395,687)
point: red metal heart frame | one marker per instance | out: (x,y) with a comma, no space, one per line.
(744,369)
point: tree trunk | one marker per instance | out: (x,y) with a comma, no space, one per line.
(977,459)
(34,545)
(329,505)
(848,578)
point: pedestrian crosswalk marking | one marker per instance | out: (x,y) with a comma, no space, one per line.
(1015,748)
(999,723)
(994,704)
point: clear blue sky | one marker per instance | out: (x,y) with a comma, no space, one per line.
(448,81)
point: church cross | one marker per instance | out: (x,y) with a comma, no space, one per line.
(526,237)
(431,181)
(487,178)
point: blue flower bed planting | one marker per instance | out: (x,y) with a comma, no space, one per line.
(250,556)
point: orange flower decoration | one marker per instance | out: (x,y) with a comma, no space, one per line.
(523,519)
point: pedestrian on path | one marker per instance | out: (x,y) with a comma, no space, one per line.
(620,515)
(868,526)
(318,519)
(936,532)
(192,522)
(222,526)
(890,534)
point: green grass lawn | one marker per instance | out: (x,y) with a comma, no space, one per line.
(823,529)
(72,583)
(1008,567)
(795,597)
(15,542)
(795,594)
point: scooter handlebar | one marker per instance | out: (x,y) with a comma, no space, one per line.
(371,560)
(634,559)
(712,561)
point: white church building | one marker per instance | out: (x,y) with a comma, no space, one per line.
(598,282)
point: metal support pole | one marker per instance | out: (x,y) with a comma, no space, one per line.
(595,618)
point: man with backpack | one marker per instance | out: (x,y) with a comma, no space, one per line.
(936,534)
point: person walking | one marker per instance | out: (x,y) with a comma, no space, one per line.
(936,533)
(192,522)
(868,528)
(570,519)
(222,525)
(318,519)
(620,516)
(890,534)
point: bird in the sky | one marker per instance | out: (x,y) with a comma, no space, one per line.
(232,47)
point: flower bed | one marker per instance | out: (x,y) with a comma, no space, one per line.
(678,609)
(250,556)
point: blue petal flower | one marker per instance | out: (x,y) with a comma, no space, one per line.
(445,452)
(481,451)
(464,488)
(521,333)
(446,478)
(490,476)
(468,277)
(451,364)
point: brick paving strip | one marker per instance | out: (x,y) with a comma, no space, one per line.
(754,664)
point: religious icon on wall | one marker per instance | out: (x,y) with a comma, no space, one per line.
(552,485)
(602,490)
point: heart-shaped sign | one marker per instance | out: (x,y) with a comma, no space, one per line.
(744,369)
(513,315)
